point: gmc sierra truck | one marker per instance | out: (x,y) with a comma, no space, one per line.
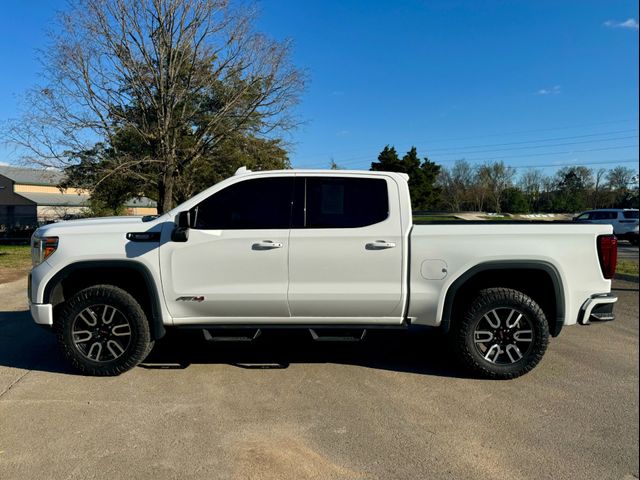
(334,252)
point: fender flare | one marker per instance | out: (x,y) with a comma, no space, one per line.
(155,322)
(539,265)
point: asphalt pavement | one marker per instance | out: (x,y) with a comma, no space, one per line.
(395,406)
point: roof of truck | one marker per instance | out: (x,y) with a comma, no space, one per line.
(246,171)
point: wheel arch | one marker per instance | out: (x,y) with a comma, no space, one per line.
(505,273)
(130,275)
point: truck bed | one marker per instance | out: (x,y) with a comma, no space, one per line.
(441,252)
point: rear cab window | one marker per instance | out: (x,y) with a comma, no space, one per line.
(340,202)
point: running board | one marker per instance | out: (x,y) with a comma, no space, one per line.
(241,335)
(337,335)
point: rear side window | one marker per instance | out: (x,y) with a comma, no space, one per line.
(262,203)
(604,215)
(345,202)
(631,214)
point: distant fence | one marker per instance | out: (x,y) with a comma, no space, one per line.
(16,235)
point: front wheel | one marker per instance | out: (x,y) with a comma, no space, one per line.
(504,334)
(103,331)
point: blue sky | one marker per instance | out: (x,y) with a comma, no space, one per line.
(533,83)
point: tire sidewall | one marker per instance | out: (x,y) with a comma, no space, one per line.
(505,298)
(104,295)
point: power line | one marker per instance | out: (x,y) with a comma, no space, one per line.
(612,162)
(538,146)
(551,129)
(548,129)
(536,141)
(569,152)
(581,164)
(506,157)
(527,147)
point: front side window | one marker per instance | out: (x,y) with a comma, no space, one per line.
(334,202)
(630,214)
(261,203)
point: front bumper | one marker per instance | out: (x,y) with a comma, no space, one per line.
(42,313)
(598,307)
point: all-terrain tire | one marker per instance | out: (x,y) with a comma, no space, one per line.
(472,340)
(97,341)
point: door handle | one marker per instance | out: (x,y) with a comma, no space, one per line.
(379,245)
(266,245)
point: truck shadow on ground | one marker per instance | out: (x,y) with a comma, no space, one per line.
(415,352)
(25,345)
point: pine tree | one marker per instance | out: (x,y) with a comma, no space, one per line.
(422,175)
(388,161)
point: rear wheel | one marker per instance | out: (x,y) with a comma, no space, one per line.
(504,334)
(103,331)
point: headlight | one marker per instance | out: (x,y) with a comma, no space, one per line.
(42,248)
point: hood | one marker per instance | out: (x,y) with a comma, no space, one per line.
(93,225)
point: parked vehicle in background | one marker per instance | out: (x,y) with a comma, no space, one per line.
(624,221)
(333,252)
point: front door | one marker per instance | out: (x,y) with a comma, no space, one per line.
(233,267)
(345,250)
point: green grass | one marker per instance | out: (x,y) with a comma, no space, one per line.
(627,267)
(15,256)
(492,218)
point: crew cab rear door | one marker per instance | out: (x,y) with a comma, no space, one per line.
(346,250)
(233,266)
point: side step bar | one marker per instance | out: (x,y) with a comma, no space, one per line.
(251,334)
(337,335)
(239,335)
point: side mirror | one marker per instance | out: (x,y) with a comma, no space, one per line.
(181,232)
(184,220)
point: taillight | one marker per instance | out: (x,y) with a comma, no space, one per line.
(608,255)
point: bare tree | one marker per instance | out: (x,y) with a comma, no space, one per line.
(160,70)
(531,184)
(619,181)
(456,184)
(497,177)
(478,190)
(598,187)
(619,178)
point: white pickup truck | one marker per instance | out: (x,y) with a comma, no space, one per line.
(327,251)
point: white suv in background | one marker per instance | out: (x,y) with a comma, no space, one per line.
(624,221)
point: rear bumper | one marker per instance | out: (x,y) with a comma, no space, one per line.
(598,307)
(42,313)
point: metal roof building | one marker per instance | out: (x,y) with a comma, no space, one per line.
(29,196)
